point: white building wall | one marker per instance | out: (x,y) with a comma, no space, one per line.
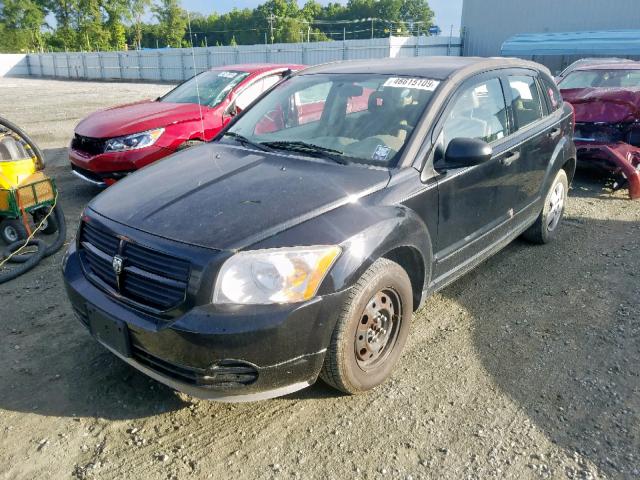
(13,65)
(488,23)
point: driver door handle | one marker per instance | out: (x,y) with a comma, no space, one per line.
(509,158)
(555,133)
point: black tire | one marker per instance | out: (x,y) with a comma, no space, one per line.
(48,250)
(30,260)
(347,366)
(12,230)
(50,226)
(545,229)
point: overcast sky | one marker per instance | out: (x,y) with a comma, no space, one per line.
(447,12)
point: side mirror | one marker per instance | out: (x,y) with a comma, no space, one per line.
(466,152)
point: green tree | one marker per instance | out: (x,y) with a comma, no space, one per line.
(137,8)
(172,19)
(21,23)
(116,11)
(112,24)
(90,25)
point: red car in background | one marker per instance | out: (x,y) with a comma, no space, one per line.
(606,100)
(111,143)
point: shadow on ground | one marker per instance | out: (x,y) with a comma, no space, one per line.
(56,157)
(567,352)
(51,364)
(597,184)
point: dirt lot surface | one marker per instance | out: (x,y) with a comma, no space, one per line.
(526,368)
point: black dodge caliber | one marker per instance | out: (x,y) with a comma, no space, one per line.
(299,242)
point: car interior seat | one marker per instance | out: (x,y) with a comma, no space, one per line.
(526,111)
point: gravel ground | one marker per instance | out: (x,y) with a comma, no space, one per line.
(525,368)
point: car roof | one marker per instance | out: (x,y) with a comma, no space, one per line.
(610,66)
(258,67)
(437,68)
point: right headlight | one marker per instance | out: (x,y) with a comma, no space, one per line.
(278,275)
(134,141)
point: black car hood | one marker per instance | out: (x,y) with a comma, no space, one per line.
(227,197)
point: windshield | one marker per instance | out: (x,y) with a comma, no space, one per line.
(602,79)
(363,118)
(212,86)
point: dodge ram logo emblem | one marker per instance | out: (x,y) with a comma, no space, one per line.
(117,265)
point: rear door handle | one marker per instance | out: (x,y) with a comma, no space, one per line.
(509,158)
(555,133)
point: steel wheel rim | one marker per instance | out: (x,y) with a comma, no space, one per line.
(11,234)
(556,205)
(378,328)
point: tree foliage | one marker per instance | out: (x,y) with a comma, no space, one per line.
(122,24)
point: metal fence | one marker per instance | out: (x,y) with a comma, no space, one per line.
(177,64)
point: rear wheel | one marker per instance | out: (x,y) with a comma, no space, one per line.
(545,228)
(371,331)
(12,230)
(49,226)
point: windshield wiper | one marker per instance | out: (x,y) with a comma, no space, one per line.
(245,141)
(309,148)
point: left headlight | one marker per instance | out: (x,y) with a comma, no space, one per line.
(278,275)
(134,141)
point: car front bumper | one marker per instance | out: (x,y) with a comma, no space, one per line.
(618,157)
(105,168)
(229,354)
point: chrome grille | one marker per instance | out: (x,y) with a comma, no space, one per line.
(149,278)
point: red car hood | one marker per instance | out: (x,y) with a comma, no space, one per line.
(608,105)
(137,117)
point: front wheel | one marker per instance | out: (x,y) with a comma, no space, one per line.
(545,228)
(12,230)
(371,330)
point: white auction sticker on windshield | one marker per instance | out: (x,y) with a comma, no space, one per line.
(227,74)
(381,153)
(408,82)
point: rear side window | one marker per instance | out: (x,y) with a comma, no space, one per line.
(479,112)
(552,93)
(253,91)
(526,103)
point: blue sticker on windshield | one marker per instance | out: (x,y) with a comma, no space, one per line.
(381,153)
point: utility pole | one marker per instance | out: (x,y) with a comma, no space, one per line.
(271,18)
(344,34)
(372,29)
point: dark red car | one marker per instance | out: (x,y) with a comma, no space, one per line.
(606,100)
(111,143)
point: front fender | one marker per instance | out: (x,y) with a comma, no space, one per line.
(366,231)
(401,229)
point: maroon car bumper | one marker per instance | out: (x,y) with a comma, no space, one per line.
(106,168)
(618,158)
